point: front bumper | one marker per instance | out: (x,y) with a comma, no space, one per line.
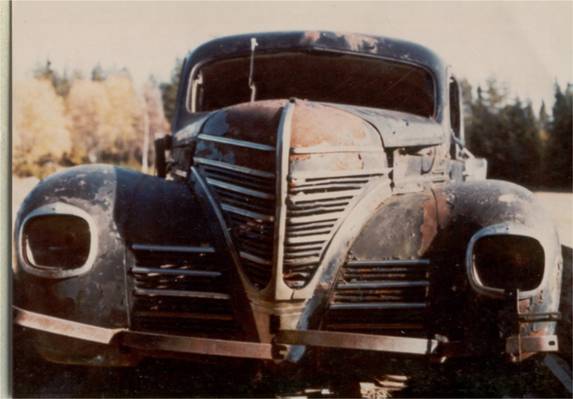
(153,342)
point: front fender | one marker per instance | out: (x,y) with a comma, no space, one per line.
(96,293)
(123,207)
(433,231)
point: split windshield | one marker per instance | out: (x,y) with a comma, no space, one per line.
(333,78)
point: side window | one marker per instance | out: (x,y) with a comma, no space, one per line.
(455,112)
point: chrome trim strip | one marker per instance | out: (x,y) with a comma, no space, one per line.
(382,284)
(301,196)
(176,272)
(236,142)
(59,208)
(182,294)
(182,315)
(314,231)
(173,248)
(236,168)
(280,290)
(308,260)
(378,305)
(180,173)
(506,229)
(327,175)
(245,212)
(389,262)
(239,189)
(334,216)
(254,258)
(317,149)
(318,239)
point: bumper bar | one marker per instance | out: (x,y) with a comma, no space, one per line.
(257,350)
(55,325)
(141,340)
(381,343)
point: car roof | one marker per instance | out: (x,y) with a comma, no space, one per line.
(352,43)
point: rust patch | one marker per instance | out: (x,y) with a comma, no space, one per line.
(523,305)
(299,157)
(429,227)
(319,125)
(256,122)
(444,205)
(310,37)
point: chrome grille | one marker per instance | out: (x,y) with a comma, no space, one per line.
(380,296)
(247,199)
(181,289)
(315,204)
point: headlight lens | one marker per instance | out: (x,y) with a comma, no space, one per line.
(56,241)
(509,262)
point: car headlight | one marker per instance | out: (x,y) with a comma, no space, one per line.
(57,240)
(505,258)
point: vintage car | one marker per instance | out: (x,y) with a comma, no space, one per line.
(314,198)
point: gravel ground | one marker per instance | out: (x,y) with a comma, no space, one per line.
(33,377)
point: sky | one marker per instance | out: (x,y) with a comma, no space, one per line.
(527,45)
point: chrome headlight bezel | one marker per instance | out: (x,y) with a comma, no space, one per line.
(57,208)
(505,229)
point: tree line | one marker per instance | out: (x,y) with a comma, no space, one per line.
(521,145)
(61,120)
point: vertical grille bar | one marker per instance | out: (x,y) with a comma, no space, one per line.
(281,214)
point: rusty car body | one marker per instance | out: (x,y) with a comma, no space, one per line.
(315,195)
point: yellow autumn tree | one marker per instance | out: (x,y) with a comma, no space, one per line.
(88,107)
(124,122)
(40,128)
(107,120)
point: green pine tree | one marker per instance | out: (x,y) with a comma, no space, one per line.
(559,149)
(169,91)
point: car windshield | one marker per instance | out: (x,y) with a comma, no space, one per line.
(334,78)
